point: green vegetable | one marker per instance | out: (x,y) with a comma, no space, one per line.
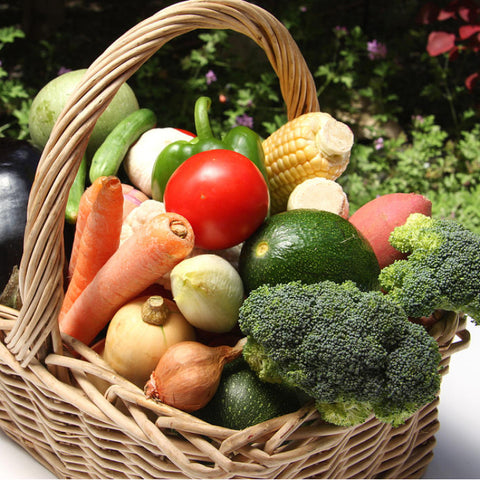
(307,245)
(355,353)
(240,139)
(243,400)
(243,140)
(442,270)
(52,98)
(208,291)
(109,156)
(76,191)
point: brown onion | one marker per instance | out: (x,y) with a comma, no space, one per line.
(188,374)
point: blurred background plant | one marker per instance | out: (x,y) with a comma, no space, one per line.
(14,98)
(402,75)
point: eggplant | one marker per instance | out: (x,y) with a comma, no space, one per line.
(18,164)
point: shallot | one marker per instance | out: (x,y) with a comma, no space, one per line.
(188,374)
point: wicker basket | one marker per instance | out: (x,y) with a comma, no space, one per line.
(49,402)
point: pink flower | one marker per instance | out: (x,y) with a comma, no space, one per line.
(440,42)
(467,31)
(379,143)
(63,70)
(244,120)
(210,77)
(376,50)
(472,80)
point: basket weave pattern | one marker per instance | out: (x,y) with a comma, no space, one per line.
(68,408)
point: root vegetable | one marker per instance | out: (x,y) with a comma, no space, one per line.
(135,220)
(140,333)
(138,263)
(188,374)
(208,291)
(320,194)
(377,219)
(103,219)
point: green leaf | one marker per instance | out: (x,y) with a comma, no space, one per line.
(9,34)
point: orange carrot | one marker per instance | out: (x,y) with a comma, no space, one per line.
(141,260)
(100,237)
(84,209)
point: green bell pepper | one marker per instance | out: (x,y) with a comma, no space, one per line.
(240,139)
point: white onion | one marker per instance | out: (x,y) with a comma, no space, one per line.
(208,291)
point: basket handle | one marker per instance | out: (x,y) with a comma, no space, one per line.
(41,270)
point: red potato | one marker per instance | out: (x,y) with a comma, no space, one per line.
(377,219)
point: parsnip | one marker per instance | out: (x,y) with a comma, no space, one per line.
(320,194)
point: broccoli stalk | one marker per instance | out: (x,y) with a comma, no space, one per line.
(441,272)
(354,352)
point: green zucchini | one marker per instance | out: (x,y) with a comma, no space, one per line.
(243,400)
(310,246)
(76,191)
(109,156)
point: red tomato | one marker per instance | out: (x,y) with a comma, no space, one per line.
(222,194)
(186,132)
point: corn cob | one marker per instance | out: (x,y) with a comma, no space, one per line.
(311,145)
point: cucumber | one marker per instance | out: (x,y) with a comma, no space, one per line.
(76,191)
(109,156)
(310,246)
(243,400)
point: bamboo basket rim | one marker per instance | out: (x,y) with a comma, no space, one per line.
(60,367)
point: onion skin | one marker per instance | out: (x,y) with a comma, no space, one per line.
(134,346)
(188,374)
(208,290)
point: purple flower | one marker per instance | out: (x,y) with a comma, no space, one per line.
(376,50)
(341,30)
(210,77)
(63,70)
(379,143)
(303,8)
(244,120)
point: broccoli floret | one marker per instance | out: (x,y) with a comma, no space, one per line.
(441,272)
(354,352)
